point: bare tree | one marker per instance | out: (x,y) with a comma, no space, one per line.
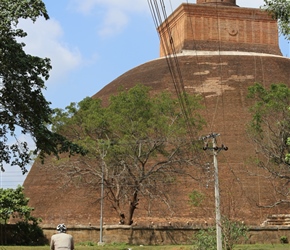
(136,142)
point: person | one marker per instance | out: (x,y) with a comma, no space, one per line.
(61,240)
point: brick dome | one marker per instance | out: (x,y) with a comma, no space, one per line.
(220,68)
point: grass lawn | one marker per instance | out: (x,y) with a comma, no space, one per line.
(263,247)
(172,247)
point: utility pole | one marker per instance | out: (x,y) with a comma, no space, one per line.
(215,149)
(101,243)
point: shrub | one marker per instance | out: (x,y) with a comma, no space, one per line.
(232,233)
(284,239)
(28,234)
(205,239)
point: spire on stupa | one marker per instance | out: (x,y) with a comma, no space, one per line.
(217,2)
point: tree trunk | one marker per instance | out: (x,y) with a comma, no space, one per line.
(117,208)
(122,219)
(115,201)
(132,206)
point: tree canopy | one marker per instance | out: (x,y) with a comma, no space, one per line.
(280,10)
(139,142)
(270,129)
(22,78)
(13,203)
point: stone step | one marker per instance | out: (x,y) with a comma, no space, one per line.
(277,220)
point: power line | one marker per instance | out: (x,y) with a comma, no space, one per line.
(168,46)
(198,66)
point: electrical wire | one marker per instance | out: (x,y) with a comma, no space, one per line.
(171,58)
(221,70)
(199,70)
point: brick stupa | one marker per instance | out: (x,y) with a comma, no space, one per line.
(222,49)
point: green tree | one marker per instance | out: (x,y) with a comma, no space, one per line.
(139,140)
(22,76)
(280,10)
(269,129)
(14,204)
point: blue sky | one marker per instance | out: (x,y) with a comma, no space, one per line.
(92,42)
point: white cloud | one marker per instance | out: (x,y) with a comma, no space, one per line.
(45,40)
(45,37)
(87,6)
(113,23)
(114,13)
(117,12)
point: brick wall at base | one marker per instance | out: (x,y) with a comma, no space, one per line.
(162,235)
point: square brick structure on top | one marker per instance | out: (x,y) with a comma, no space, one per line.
(213,27)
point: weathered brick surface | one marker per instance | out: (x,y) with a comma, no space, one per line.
(207,27)
(222,80)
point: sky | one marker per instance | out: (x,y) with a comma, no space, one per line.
(92,42)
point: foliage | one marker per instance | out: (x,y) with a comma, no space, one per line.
(269,128)
(138,141)
(284,239)
(287,158)
(87,243)
(280,10)
(23,106)
(205,239)
(14,204)
(28,234)
(196,198)
(232,233)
